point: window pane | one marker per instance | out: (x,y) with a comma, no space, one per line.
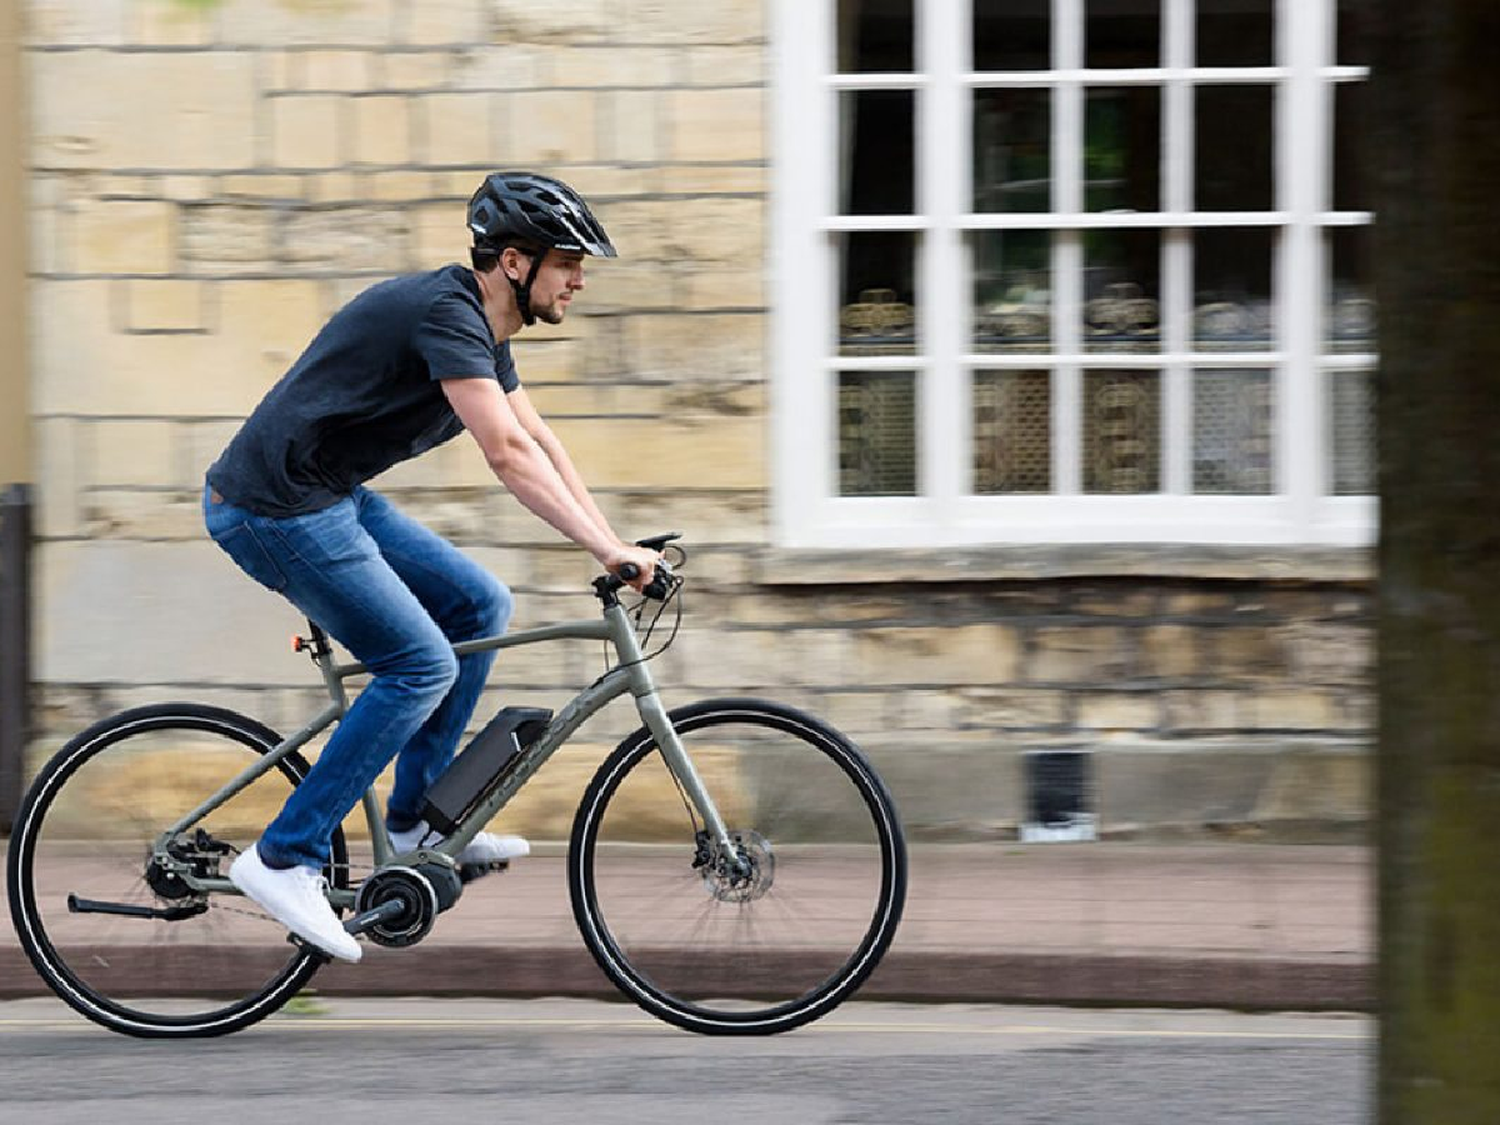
(1012,431)
(1122,149)
(1232,419)
(1353,43)
(1349,325)
(877,174)
(1352,411)
(877,421)
(1121,431)
(1012,150)
(1012,291)
(875,35)
(1012,34)
(1236,32)
(1122,291)
(1232,309)
(1351,189)
(1233,148)
(876,313)
(1123,33)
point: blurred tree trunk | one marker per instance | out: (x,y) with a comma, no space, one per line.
(1434,134)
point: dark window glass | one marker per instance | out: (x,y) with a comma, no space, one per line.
(1232,309)
(1232,420)
(878,175)
(1349,318)
(1123,34)
(1012,35)
(877,438)
(1012,431)
(1122,291)
(1121,431)
(1233,149)
(1012,150)
(877,314)
(875,35)
(1237,32)
(1351,186)
(1353,33)
(1122,149)
(1012,291)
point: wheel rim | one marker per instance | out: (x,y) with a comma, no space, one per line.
(776,942)
(89,831)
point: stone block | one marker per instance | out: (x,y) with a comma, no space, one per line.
(184,189)
(610,65)
(154,116)
(75,23)
(1170,652)
(199,445)
(715,290)
(456,22)
(637,453)
(131,513)
(221,238)
(719,231)
(313,23)
(515,64)
(344,71)
(352,239)
(930,655)
(418,70)
(704,179)
(634,128)
(1326,652)
(971,790)
(135,452)
(168,23)
(382,130)
(270,315)
(466,128)
(1008,708)
(396,186)
(162,306)
(716,125)
(131,236)
(1103,711)
(334,187)
(696,347)
(276,188)
(306,130)
(579,21)
(727,66)
(1246,652)
(1078,655)
(63,463)
(554,126)
(688,22)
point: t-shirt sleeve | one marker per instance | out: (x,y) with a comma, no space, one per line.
(454,342)
(505,368)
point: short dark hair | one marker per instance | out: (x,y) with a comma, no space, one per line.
(485,253)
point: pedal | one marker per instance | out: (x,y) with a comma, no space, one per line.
(468,872)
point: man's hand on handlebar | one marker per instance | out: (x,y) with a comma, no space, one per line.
(644,561)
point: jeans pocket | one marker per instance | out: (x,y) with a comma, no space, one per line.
(242,545)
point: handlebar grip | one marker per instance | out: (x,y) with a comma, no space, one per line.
(629,571)
(656,589)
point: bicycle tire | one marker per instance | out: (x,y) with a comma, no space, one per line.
(850,863)
(43,850)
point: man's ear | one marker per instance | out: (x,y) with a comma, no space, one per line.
(513,263)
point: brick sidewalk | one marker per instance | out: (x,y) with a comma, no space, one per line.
(1238,925)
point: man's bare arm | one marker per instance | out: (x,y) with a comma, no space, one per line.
(542,434)
(518,461)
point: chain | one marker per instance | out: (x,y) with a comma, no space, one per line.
(215,904)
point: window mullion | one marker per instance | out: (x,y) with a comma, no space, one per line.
(1067,249)
(1177,247)
(943,194)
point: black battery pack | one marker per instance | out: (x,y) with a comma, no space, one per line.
(480,767)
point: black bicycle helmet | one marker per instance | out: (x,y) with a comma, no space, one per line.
(535,213)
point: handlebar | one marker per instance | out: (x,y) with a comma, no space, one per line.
(661,581)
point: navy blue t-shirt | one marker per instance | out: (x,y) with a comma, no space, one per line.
(364,395)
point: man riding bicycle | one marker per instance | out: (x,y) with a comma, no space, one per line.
(407,365)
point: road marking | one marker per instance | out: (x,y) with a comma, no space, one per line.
(348,1023)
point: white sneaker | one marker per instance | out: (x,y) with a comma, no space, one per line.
(297,898)
(483,848)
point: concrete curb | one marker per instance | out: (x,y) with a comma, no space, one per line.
(1082,978)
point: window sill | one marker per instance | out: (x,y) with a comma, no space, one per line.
(775,566)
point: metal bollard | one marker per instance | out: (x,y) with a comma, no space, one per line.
(15,646)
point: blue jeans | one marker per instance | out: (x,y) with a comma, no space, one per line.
(397,596)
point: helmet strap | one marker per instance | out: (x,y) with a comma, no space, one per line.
(523,289)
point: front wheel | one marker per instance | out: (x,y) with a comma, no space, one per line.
(785,930)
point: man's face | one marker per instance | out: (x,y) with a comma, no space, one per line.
(560,277)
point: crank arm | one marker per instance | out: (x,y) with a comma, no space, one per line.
(78,905)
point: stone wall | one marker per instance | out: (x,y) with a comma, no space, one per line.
(211,180)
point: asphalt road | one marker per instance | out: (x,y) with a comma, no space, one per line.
(519,1062)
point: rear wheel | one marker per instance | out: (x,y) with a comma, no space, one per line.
(781,933)
(85,838)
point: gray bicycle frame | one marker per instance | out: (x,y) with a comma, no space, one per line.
(631,674)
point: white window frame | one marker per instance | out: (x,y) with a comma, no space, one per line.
(808,512)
